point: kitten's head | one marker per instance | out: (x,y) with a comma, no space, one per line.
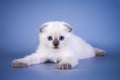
(55,34)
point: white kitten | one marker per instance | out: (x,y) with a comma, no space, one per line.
(59,45)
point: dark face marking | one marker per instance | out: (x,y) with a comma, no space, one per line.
(56,43)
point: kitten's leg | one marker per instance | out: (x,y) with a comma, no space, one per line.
(67,63)
(99,52)
(28,60)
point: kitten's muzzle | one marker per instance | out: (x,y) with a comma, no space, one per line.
(56,43)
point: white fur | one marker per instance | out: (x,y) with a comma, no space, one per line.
(72,49)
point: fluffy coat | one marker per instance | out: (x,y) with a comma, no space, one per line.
(69,50)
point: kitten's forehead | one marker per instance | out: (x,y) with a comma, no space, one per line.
(55,27)
(55,33)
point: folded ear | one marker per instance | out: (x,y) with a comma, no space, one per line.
(68,27)
(42,28)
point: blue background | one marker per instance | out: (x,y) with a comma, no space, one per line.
(96,21)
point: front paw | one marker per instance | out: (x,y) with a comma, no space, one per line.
(19,63)
(64,66)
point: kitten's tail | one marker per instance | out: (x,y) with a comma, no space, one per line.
(99,52)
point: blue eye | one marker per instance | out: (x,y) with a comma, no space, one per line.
(61,38)
(50,38)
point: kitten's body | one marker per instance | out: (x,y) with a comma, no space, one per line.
(68,51)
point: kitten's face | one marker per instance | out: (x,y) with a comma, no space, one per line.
(55,35)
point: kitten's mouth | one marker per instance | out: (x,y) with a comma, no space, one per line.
(55,47)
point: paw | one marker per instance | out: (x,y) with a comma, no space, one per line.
(18,64)
(64,66)
(99,52)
